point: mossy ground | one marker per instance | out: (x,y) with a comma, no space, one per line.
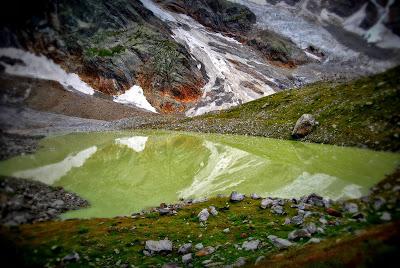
(363,113)
(117,241)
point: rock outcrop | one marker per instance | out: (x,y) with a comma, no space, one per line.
(112,45)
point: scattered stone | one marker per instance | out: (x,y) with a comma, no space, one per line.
(298,220)
(187,258)
(351,207)
(226,230)
(279,242)
(213,211)
(241,261)
(323,220)
(255,196)
(164,211)
(251,245)
(146,253)
(315,200)
(185,248)
(277,209)
(333,212)
(386,216)
(304,126)
(205,251)
(203,215)
(311,228)
(297,234)
(236,197)
(199,246)
(73,257)
(158,246)
(266,203)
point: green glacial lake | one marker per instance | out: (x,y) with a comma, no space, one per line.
(124,172)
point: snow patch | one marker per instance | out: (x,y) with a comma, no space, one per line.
(42,68)
(136,143)
(51,173)
(135,96)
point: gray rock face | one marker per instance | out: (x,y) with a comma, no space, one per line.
(251,245)
(304,126)
(279,242)
(203,215)
(236,197)
(158,246)
(185,248)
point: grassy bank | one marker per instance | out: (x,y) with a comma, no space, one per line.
(118,242)
(361,113)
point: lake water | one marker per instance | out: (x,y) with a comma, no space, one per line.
(124,172)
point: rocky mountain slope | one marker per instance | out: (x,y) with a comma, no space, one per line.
(196,56)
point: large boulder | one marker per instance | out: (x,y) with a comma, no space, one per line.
(304,126)
(158,246)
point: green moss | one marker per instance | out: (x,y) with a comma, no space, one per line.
(105,52)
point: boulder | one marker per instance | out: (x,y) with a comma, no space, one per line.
(213,211)
(255,196)
(304,126)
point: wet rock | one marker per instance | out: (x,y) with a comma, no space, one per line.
(297,234)
(279,242)
(205,251)
(255,196)
(73,257)
(266,203)
(386,216)
(351,207)
(158,246)
(236,197)
(304,126)
(187,258)
(213,211)
(185,248)
(333,212)
(203,215)
(251,245)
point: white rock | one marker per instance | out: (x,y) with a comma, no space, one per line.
(266,203)
(158,246)
(251,245)
(203,215)
(213,211)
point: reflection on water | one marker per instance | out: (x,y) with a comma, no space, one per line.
(123,172)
